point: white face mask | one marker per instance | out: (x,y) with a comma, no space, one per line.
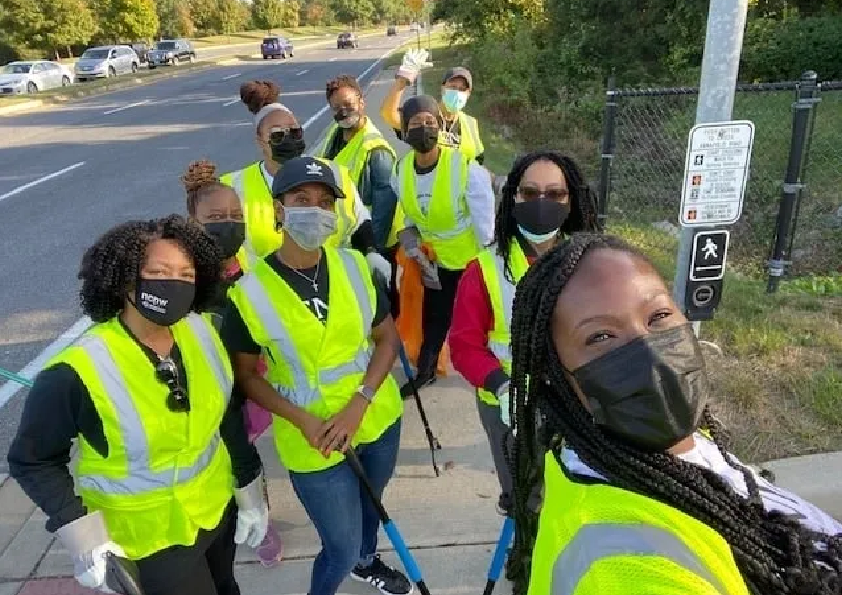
(309,227)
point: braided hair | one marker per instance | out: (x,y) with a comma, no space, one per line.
(583,215)
(775,554)
(199,180)
(111,266)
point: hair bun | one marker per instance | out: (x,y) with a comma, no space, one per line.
(199,174)
(258,94)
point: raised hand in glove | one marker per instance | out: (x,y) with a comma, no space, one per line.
(86,540)
(252,514)
(413,62)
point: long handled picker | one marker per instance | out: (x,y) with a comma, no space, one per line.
(431,439)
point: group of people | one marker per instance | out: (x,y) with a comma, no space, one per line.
(277,294)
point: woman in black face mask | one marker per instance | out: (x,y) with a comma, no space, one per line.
(641,495)
(545,198)
(147,393)
(446,205)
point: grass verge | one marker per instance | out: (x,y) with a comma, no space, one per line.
(778,381)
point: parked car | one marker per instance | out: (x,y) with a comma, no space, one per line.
(391,30)
(347,40)
(141,48)
(274,46)
(30,77)
(105,62)
(171,51)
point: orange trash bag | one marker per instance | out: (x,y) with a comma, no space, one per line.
(411,295)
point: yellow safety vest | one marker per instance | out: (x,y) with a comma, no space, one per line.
(597,539)
(502,294)
(317,367)
(262,235)
(470,142)
(446,226)
(166,474)
(355,154)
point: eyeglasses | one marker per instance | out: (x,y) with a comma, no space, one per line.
(553,194)
(177,400)
(278,135)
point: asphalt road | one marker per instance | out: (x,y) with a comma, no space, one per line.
(70,173)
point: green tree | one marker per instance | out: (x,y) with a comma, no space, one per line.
(67,23)
(231,15)
(23,23)
(205,15)
(352,12)
(127,20)
(174,18)
(268,14)
(291,16)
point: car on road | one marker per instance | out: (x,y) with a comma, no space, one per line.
(274,46)
(30,77)
(171,51)
(347,40)
(105,62)
(391,30)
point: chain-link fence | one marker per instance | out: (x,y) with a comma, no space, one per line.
(644,146)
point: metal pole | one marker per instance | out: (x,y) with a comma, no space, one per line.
(793,184)
(720,65)
(608,122)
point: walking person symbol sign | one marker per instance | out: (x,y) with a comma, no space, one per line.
(710,249)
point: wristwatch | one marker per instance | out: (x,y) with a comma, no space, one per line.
(366,392)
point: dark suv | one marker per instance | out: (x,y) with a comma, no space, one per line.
(346,40)
(274,46)
(391,30)
(170,51)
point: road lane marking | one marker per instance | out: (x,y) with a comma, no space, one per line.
(231,102)
(231,76)
(333,59)
(125,107)
(303,72)
(29,185)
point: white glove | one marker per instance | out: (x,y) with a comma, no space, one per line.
(413,62)
(252,514)
(503,397)
(380,266)
(497,184)
(87,541)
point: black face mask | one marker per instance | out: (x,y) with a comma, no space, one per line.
(541,217)
(422,139)
(286,149)
(650,393)
(164,301)
(229,236)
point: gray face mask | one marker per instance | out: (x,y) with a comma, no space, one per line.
(309,227)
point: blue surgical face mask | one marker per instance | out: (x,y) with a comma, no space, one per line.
(454,100)
(535,238)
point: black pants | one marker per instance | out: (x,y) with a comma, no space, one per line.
(204,568)
(435,319)
(391,254)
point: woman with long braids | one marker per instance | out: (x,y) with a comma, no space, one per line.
(545,198)
(641,495)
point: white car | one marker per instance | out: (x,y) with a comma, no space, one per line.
(33,76)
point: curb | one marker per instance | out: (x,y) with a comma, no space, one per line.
(816,478)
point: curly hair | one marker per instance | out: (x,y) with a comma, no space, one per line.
(199,180)
(343,80)
(774,554)
(258,94)
(110,267)
(583,211)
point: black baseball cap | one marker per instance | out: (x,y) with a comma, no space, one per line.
(305,170)
(458,71)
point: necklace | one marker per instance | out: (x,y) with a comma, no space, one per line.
(312,281)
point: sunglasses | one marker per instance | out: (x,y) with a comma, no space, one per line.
(553,194)
(177,400)
(278,135)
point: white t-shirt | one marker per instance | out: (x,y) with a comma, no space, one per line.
(706,454)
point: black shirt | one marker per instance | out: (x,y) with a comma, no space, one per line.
(235,333)
(59,408)
(455,131)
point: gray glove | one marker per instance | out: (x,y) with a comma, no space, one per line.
(380,266)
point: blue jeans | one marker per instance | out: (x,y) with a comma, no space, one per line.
(342,512)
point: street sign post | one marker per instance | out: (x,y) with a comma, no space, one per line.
(716,172)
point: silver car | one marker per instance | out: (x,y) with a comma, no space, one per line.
(105,62)
(34,76)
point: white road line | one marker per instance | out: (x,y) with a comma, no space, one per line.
(231,76)
(29,185)
(10,389)
(125,107)
(232,102)
(333,59)
(302,72)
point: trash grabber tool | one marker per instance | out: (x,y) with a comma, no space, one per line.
(431,439)
(388,525)
(15,378)
(121,575)
(506,534)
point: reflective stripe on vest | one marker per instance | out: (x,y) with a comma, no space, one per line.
(598,541)
(354,154)
(456,194)
(344,206)
(302,393)
(469,142)
(140,477)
